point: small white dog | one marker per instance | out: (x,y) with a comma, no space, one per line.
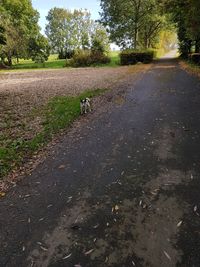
(85,105)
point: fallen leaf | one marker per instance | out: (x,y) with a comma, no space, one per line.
(68,256)
(133,263)
(89,252)
(195,208)
(167,255)
(2,194)
(116,207)
(179,224)
(77,265)
(43,248)
(61,167)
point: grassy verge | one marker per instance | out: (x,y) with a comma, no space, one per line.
(58,114)
(190,67)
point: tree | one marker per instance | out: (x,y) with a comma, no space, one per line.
(131,23)
(68,30)
(38,48)
(100,41)
(185,13)
(2,36)
(20,22)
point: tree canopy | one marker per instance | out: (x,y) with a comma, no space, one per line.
(69,30)
(18,24)
(132,23)
(185,13)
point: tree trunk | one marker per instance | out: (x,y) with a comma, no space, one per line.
(9,58)
(136,36)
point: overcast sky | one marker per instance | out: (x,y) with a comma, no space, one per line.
(43,7)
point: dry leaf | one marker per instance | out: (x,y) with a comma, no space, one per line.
(195,208)
(2,194)
(167,255)
(89,252)
(43,248)
(68,256)
(116,207)
(61,167)
(179,224)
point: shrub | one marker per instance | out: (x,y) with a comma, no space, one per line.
(81,58)
(98,57)
(67,54)
(195,58)
(86,58)
(130,57)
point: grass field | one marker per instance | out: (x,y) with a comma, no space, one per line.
(52,63)
(55,63)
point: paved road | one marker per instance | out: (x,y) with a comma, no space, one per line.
(122,191)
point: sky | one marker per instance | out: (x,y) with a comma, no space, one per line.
(43,6)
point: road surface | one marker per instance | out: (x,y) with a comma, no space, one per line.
(122,190)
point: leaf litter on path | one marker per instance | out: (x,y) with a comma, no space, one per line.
(167,255)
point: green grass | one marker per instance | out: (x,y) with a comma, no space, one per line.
(55,63)
(52,63)
(58,114)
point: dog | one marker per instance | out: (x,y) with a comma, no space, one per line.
(85,105)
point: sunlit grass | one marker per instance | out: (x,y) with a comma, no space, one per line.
(55,63)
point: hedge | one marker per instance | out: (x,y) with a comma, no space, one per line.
(129,57)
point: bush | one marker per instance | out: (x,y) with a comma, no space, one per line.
(67,54)
(130,57)
(98,57)
(86,58)
(195,58)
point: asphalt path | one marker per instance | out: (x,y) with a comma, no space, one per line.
(122,191)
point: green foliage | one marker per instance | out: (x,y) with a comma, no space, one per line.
(58,114)
(20,23)
(39,49)
(132,24)
(68,31)
(130,57)
(100,41)
(185,13)
(2,36)
(86,58)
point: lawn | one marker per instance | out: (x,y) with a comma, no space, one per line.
(52,63)
(55,63)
